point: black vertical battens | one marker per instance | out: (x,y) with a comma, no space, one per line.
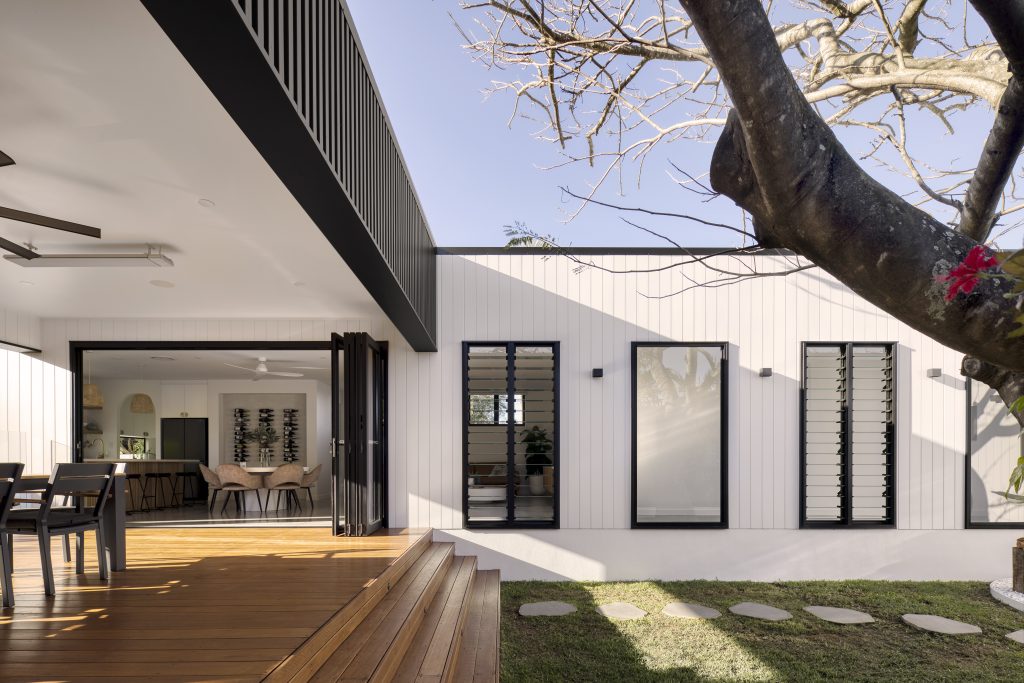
(334,120)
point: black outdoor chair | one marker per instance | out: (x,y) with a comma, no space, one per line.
(76,480)
(10,474)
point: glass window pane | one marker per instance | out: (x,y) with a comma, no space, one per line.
(486,439)
(534,434)
(995,447)
(679,434)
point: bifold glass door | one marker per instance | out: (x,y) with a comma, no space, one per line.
(358,411)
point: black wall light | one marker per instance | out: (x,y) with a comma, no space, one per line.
(597,372)
(765,372)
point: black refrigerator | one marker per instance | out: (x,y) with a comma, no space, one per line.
(187,438)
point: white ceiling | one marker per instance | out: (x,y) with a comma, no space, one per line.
(204,365)
(111,127)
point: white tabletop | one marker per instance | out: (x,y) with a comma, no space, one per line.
(266,470)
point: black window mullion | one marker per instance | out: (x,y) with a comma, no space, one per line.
(846,488)
(510,427)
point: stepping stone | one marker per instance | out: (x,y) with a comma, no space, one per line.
(839,615)
(1016,636)
(621,610)
(930,622)
(759,611)
(546,609)
(689,610)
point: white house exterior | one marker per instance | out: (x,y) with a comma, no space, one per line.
(492,295)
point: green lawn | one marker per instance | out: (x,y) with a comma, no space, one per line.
(588,647)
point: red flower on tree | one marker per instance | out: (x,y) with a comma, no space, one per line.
(964,277)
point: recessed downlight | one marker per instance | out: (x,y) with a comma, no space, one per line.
(161,358)
(166,284)
(25,283)
(206,203)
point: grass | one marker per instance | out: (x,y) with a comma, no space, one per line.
(586,646)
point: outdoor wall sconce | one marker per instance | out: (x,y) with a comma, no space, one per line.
(933,372)
(765,372)
(597,372)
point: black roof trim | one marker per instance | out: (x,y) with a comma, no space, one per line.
(606,251)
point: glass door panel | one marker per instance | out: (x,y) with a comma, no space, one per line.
(339,498)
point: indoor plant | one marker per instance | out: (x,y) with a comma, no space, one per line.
(538,454)
(264,436)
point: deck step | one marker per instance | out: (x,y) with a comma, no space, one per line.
(433,654)
(479,651)
(377,646)
(302,664)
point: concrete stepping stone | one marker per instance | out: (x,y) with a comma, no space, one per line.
(839,615)
(930,622)
(759,611)
(1016,636)
(689,610)
(551,608)
(621,610)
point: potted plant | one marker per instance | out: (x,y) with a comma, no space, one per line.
(263,436)
(538,454)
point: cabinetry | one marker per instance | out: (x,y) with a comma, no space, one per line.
(183,400)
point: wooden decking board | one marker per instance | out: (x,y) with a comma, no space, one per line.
(433,652)
(311,655)
(361,652)
(478,658)
(195,604)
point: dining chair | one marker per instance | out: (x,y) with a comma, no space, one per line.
(74,480)
(309,480)
(287,479)
(236,481)
(212,481)
(10,474)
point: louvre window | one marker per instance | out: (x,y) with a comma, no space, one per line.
(510,465)
(848,439)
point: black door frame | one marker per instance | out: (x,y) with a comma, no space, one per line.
(76,354)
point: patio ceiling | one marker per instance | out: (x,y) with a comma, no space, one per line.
(111,127)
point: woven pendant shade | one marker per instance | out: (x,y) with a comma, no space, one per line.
(92,397)
(142,403)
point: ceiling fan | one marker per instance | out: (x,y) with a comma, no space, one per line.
(36,219)
(261,369)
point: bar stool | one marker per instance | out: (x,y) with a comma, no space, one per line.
(189,483)
(137,478)
(165,483)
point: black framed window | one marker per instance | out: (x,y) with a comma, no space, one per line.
(993,447)
(510,466)
(680,435)
(848,434)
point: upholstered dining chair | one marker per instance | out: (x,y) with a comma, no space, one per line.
(234,480)
(212,481)
(308,481)
(10,474)
(286,478)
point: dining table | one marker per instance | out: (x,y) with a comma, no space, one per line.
(263,471)
(113,517)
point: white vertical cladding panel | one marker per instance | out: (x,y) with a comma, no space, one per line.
(595,315)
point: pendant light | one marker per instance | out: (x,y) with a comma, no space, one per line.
(141,403)
(92,397)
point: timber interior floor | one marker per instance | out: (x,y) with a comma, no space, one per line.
(256,604)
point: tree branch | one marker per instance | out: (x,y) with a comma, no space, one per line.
(1006,139)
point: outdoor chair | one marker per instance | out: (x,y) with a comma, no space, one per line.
(236,481)
(287,479)
(76,480)
(308,481)
(10,474)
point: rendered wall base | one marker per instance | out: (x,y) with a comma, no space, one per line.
(739,554)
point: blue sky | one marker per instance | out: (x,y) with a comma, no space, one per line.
(475,174)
